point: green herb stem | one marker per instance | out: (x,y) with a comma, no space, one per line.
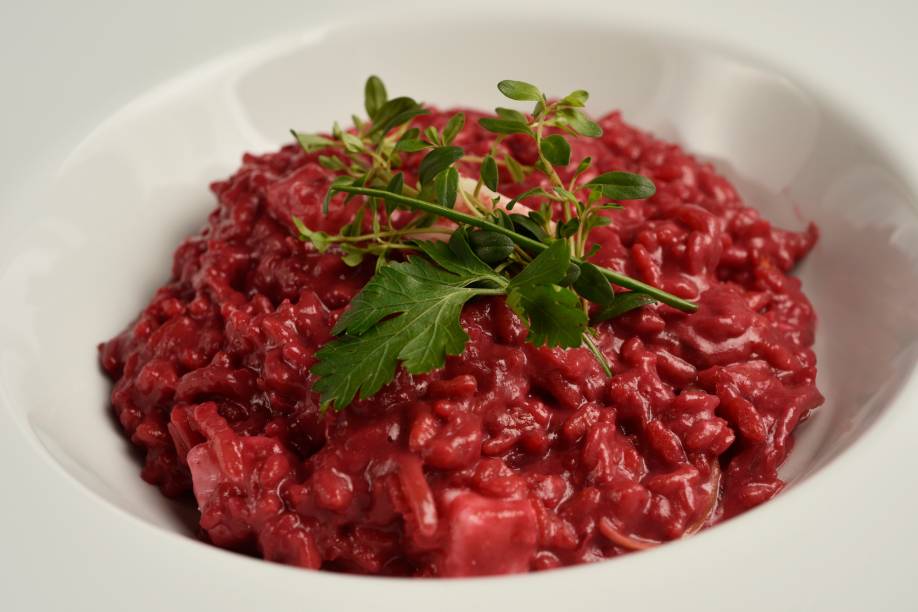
(523,241)
(398,233)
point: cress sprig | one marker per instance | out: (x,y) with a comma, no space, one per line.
(409,311)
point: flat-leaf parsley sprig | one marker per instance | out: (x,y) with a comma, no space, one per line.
(409,312)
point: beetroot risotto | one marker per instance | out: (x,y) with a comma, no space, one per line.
(516,447)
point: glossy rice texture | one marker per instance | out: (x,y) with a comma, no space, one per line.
(511,458)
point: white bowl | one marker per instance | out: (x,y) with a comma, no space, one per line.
(99,239)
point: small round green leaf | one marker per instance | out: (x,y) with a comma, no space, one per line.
(352,143)
(517,172)
(411,134)
(568,228)
(526,194)
(520,90)
(623,186)
(575,98)
(331,163)
(318,239)
(394,113)
(432,135)
(580,123)
(491,247)
(352,255)
(556,150)
(311,142)
(411,145)
(435,162)
(571,276)
(338,182)
(447,187)
(622,304)
(396,184)
(374,95)
(504,126)
(489,174)
(526,226)
(593,286)
(453,127)
(511,115)
(500,217)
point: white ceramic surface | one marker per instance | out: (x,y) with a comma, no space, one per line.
(91,235)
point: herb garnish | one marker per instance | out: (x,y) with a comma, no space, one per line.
(409,311)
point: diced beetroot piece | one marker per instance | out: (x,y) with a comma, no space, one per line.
(489,536)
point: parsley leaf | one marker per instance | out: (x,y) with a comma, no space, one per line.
(549,267)
(553,314)
(318,239)
(427,301)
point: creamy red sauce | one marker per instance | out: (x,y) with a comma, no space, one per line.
(511,458)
